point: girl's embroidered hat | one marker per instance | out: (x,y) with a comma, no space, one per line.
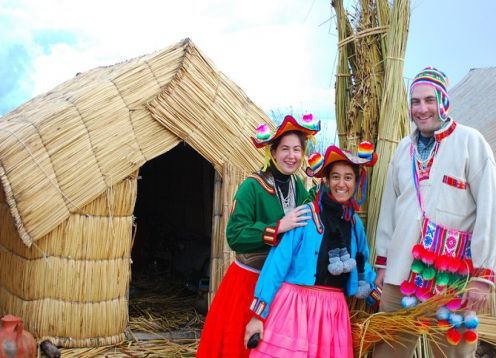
(317,164)
(433,77)
(308,126)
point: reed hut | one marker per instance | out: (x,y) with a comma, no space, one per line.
(70,161)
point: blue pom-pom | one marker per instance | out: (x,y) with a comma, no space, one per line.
(471,320)
(335,266)
(455,320)
(442,313)
(408,301)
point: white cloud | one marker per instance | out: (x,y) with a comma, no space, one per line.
(266,47)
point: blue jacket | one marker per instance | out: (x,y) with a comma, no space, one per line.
(294,261)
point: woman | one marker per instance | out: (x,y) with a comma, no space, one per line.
(305,278)
(267,204)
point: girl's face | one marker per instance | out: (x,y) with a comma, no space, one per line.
(288,154)
(342,181)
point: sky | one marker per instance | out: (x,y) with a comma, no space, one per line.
(282,53)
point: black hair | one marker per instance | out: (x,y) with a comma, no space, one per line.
(356,169)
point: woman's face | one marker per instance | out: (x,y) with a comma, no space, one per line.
(288,154)
(342,181)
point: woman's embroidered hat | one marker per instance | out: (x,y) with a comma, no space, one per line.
(433,77)
(365,156)
(308,126)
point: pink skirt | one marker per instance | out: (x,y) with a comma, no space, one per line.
(306,321)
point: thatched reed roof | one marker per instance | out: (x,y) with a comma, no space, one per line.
(473,102)
(64,148)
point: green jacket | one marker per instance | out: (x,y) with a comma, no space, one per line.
(255,214)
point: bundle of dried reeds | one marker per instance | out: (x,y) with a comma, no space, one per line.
(393,120)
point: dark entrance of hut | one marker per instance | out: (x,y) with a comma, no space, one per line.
(171,250)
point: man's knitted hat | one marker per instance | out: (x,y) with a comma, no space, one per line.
(433,77)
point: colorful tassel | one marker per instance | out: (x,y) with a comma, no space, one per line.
(428,273)
(443,325)
(408,301)
(454,336)
(471,321)
(408,288)
(470,336)
(418,266)
(456,320)
(442,313)
(454,304)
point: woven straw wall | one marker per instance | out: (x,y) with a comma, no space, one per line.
(71,285)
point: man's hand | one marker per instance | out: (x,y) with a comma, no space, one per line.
(294,218)
(379,277)
(476,295)
(254,326)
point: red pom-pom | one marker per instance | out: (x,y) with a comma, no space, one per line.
(470,336)
(423,325)
(454,337)
(408,288)
(423,294)
(454,264)
(442,263)
(418,251)
(443,324)
(429,257)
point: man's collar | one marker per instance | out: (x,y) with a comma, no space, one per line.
(443,132)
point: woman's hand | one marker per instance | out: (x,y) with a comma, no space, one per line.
(294,218)
(254,326)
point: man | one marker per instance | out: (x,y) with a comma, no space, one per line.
(441,176)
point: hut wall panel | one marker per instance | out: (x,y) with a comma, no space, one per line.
(71,285)
(154,139)
(137,85)
(67,141)
(111,133)
(68,321)
(29,181)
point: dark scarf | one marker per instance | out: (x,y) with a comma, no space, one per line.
(281,180)
(337,233)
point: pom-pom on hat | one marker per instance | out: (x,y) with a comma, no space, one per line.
(308,126)
(366,156)
(433,77)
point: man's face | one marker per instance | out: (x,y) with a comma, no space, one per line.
(424,109)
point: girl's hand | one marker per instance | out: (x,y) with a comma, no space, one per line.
(254,326)
(294,218)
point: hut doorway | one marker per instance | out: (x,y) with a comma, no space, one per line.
(172,243)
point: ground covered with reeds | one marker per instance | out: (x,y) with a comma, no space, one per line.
(163,321)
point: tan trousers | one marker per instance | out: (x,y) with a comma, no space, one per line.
(391,301)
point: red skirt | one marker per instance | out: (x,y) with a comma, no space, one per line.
(224,329)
